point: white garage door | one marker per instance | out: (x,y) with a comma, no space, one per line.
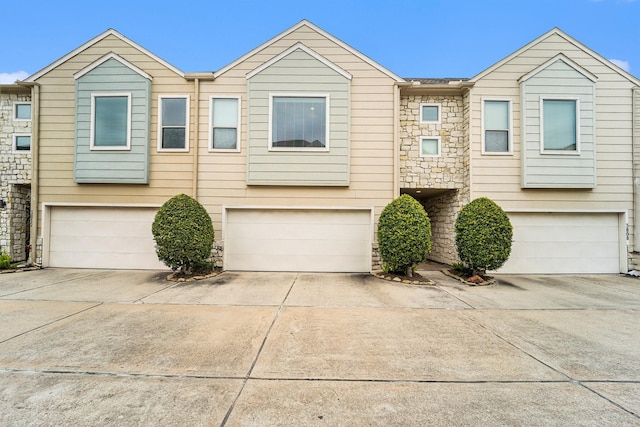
(557,243)
(298,240)
(96,237)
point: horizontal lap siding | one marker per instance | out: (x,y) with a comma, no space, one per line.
(126,166)
(58,124)
(614,151)
(222,176)
(168,175)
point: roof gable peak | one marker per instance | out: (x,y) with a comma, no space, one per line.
(310,52)
(93,41)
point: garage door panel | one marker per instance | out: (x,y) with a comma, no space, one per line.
(295,231)
(102,237)
(564,243)
(298,240)
(290,247)
(330,263)
(595,234)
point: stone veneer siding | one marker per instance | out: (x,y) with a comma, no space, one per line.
(449,171)
(15,180)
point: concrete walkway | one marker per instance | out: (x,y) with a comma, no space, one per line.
(92,347)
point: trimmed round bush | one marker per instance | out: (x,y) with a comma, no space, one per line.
(184,234)
(404,235)
(483,235)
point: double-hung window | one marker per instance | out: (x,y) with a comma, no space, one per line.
(497,126)
(299,122)
(560,123)
(429,113)
(173,126)
(110,121)
(224,126)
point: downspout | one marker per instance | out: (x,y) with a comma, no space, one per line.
(396,135)
(35,144)
(396,141)
(635,150)
(196,144)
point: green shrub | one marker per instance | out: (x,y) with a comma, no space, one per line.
(404,235)
(5,260)
(184,234)
(483,235)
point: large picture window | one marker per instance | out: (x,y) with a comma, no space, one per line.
(110,121)
(299,122)
(173,132)
(225,124)
(560,125)
(497,126)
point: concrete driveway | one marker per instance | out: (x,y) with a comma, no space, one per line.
(92,347)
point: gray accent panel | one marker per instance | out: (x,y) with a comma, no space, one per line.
(127,166)
(298,73)
(548,170)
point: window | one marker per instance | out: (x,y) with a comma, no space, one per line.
(429,146)
(22,111)
(429,113)
(225,124)
(22,142)
(299,122)
(560,126)
(497,126)
(173,126)
(110,121)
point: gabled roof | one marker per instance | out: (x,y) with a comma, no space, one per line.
(104,59)
(109,32)
(569,39)
(563,58)
(306,23)
(305,49)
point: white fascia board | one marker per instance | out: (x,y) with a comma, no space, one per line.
(302,47)
(563,58)
(302,23)
(569,39)
(104,59)
(109,32)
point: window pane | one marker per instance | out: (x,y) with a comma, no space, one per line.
(559,124)
(23,111)
(173,137)
(429,113)
(111,114)
(23,143)
(174,111)
(225,112)
(430,147)
(496,115)
(496,141)
(224,138)
(299,122)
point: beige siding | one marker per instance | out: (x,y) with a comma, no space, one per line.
(170,173)
(614,150)
(222,176)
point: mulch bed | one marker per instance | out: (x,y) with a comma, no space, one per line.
(177,276)
(476,280)
(416,279)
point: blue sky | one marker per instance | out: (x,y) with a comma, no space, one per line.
(413,38)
